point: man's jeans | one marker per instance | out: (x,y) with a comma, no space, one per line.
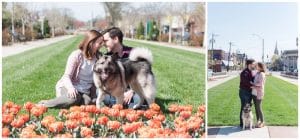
(246,97)
(111,100)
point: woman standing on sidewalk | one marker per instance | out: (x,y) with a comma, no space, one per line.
(76,85)
(258,92)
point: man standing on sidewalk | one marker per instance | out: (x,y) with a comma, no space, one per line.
(245,86)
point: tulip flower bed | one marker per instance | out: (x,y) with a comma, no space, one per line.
(89,121)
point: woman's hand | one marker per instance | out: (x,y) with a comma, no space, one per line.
(72,93)
(127,96)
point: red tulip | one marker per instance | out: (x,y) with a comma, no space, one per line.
(8,104)
(7,118)
(114,125)
(185,114)
(87,121)
(114,112)
(154,107)
(28,106)
(24,117)
(17,123)
(56,127)
(71,124)
(117,106)
(47,121)
(86,132)
(132,117)
(102,120)
(5,132)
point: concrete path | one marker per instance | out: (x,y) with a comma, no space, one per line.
(265,132)
(17,48)
(217,80)
(165,44)
(290,80)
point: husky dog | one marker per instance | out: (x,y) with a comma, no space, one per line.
(113,75)
(247,117)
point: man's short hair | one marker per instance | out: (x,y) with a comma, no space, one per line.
(249,61)
(114,32)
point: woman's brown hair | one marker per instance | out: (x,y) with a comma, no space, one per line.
(87,43)
(261,66)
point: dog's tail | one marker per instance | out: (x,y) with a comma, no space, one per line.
(141,54)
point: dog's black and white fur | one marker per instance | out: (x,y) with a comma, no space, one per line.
(112,76)
(247,117)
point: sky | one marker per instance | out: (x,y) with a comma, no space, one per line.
(82,10)
(237,22)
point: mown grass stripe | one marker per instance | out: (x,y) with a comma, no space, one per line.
(279,104)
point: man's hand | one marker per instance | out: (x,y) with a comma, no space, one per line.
(72,93)
(128,95)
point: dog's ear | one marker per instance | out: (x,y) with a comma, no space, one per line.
(98,54)
(115,56)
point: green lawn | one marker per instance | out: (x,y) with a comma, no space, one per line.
(32,75)
(280,104)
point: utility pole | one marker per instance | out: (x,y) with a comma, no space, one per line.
(230,44)
(297,41)
(212,47)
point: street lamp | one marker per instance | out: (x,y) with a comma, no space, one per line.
(263,50)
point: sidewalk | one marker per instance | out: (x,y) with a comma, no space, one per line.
(217,80)
(265,132)
(24,46)
(165,44)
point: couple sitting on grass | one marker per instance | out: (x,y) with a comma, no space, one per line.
(252,82)
(76,87)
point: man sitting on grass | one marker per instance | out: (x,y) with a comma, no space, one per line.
(113,41)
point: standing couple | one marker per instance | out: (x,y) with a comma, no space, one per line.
(76,86)
(252,82)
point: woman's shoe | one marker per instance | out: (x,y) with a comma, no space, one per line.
(257,124)
(42,102)
(261,125)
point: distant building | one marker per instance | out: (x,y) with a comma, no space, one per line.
(220,60)
(290,60)
(215,58)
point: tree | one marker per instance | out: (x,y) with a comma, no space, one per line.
(153,10)
(140,31)
(57,19)
(6,16)
(113,11)
(153,31)
(170,12)
(129,19)
(21,13)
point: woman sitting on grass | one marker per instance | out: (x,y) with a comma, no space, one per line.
(76,85)
(258,92)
